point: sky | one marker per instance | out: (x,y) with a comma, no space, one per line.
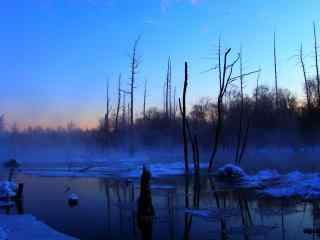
(57,55)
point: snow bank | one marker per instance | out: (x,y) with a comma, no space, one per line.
(271,184)
(295,185)
(230,171)
(17,227)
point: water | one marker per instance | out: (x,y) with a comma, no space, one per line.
(106,210)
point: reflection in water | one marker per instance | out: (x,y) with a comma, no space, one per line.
(111,210)
(145,206)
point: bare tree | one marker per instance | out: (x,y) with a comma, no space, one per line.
(134,66)
(106,117)
(123,117)
(225,79)
(144,100)
(316,62)
(184,120)
(168,91)
(118,104)
(257,89)
(237,160)
(174,104)
(275,67)
(306,85)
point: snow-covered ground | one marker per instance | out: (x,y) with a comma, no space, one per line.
(17,227)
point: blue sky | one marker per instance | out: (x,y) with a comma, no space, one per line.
(56,55)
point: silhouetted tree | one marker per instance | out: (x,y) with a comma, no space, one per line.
(307,90)
(134,66)
(184,118)
(2,123)
(144,100)
(275,68)
(225,79)
(316,63)
(118,104)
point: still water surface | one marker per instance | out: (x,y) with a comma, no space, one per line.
(106,210)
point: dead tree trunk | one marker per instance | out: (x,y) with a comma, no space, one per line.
(257,91)
(237,161)
(316,62)
(193,141)
(275,67)
(306,85)
(184,126)
(168,92)
(123,120)
(118,104)
(174,104)
(144,100)
(134,65)
(106,116)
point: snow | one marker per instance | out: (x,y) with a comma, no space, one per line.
(271,184)
(230,171)
(7,189)
(17,227)
(73,197)
(295,185)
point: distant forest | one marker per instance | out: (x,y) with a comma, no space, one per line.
(267,117)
